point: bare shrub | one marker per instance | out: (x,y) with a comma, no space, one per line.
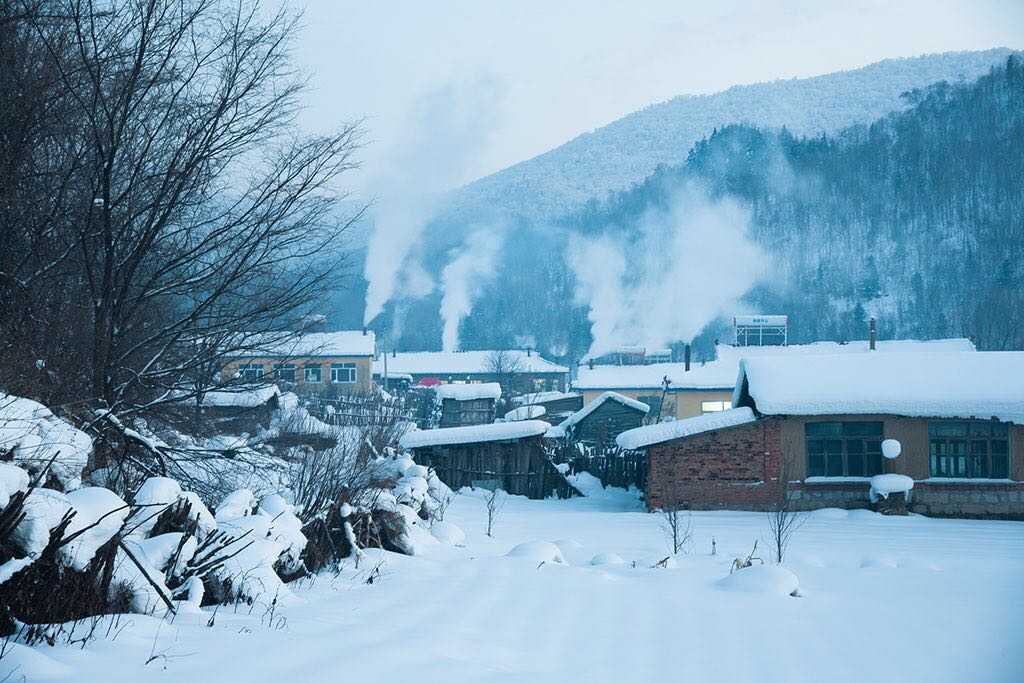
(783,520)
(678,528)
(744,562)
(494,502)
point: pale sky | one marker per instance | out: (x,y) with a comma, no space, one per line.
(540,73)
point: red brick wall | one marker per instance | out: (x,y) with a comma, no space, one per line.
(736,468)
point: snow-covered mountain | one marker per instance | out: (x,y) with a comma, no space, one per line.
(628,150)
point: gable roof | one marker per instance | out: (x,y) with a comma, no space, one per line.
(984,385)
(721,373)
(499,431)
(586,410)
(677,429)
(314,345)
(443,363)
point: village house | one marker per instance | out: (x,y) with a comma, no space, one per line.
(519,372)
(506,455)
(550,406)
(811,428)
(313,362)
(599,422)
(687,389)
(466,404)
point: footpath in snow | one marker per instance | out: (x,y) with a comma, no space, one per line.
(907,598)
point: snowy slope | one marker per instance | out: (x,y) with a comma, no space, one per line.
(628,150)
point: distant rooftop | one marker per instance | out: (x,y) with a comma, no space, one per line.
(721,373)
(444,363)
(316,344)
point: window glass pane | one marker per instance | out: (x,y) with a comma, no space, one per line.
(312,374)
(947,428)
(1000,429)
(874,464)
(1000,467)
(862,428)
(823,429)
(855,461)
(816,465)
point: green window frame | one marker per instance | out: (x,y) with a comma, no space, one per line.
(343,373)
(284,372)
(251,372)
(843,449)
(969,449)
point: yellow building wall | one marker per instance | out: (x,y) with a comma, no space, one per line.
(680,404)
(364,370)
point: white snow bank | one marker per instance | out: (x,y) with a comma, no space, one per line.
(236,504)
(537,552)
(35,435)
(12,480)
(964,385)
(468,392)
(44,508)
(678,429)
(24,663)
(542,397)
(92,505)
(527,412)
(884,484)
(448,533)
(500,431)
(241,397)
(606,558)
(251,571)
(768,578)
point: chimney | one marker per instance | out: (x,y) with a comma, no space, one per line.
(872,334)
(590,363)
(527,351)
(364,330)
(686,358)
(394,353)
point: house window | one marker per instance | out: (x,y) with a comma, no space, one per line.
(284,372)
(251,372)
(969,449)
(653,402)
(714,406)
(343,373)
(843,449)
(540,384)
(311,374)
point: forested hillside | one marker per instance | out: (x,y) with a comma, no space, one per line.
(917,218)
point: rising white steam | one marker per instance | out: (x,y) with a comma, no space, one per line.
(462,280)
(687,266)
(445,133)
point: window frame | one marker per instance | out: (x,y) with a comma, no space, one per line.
(251,371)
(306,369)
(968,449)
(352,372)
(281,368)
(839,443)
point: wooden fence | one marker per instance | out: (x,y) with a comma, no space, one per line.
(612,465)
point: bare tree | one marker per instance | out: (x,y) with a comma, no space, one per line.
(495,501)
(505,367)
(163,215)
(783,519)
(678,527)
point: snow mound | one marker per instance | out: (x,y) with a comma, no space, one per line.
(606,558)
(879,562)
(884,484)
(527,412)
(770,579)
(567,544)
(236,504)
(537,552)
(34,435)
(92,505)
(44,508)
(500,431)
(468,392)
(449,534)
(12,480)
(24,663)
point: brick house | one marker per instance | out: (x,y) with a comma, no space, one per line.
(817,424)
(312,362)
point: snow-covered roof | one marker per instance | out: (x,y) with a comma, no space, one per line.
(317,345)
(980,385)
(443,363)
(721,372)
(677,429)
(527,412)
(468,392)
(242,397)
(499,431)
(542,397)
(586,410)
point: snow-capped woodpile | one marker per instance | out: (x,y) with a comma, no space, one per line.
(69,551)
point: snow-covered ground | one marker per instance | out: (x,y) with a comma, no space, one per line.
(881,598)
